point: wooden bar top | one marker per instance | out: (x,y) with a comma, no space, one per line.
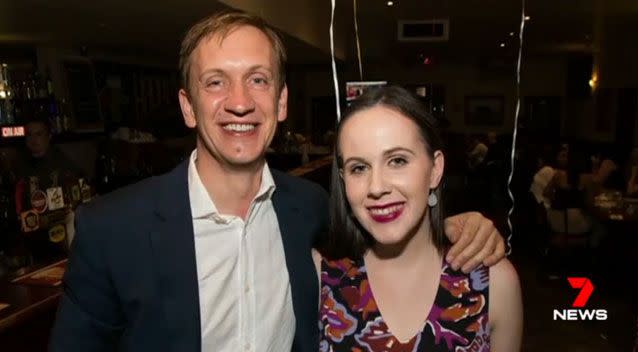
(26,300)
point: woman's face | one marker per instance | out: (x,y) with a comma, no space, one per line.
(388,173)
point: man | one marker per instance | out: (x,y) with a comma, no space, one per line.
(40,169)
(215,255)
(42,160)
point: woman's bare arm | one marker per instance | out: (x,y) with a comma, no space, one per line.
(506,308)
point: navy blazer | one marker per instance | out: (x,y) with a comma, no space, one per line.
(131,281)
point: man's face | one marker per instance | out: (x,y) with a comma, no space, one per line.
(234,102)
(37,138)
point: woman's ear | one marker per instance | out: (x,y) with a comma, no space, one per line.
(438,166)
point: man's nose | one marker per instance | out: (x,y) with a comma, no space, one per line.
(239,101)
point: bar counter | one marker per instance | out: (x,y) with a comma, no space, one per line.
(26,322)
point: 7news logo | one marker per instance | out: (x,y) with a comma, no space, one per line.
(586,289)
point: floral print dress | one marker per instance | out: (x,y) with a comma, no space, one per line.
(350,320)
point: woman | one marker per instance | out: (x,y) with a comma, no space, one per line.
(383,266)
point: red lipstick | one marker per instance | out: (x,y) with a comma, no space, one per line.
(386,217)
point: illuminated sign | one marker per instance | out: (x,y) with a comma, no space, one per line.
(13,131)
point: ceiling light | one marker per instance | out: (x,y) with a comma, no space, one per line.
(512,34)
(502,45)
(527,18)
(390,3)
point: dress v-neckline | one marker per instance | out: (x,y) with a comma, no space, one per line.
(439,291)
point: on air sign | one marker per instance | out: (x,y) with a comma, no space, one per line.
(586,289)
(13,131)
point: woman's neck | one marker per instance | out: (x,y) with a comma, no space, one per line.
(416,249)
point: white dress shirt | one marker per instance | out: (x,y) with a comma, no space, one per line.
(244,289)
(540,182)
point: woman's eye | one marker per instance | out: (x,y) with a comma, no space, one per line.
(398,161)
(357,169)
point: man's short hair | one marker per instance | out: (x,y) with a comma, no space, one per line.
(222,24)
(41,120)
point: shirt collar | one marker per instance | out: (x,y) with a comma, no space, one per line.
(202,206)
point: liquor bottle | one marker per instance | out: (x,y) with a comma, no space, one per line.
(27,89)
(54,116)
(7,114)
(105,172)
(4,85)
(7,206)
(3,109)
(49,83)
(40,86)
(66,120)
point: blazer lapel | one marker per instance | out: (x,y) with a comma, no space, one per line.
(303,279)
(173,246)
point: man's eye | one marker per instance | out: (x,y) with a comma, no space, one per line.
(259,81)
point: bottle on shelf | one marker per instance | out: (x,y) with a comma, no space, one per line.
(7,113)
(49,83)
(32,87)
(40,86)
(66,120)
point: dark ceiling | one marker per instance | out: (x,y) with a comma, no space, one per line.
(477,27)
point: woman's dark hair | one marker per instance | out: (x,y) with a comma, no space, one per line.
(347,238)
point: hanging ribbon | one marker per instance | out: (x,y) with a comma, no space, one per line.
(334,64)
(356,34)
(514,136)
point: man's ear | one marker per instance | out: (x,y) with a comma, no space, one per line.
(438,166)
(187,109)
(282,104)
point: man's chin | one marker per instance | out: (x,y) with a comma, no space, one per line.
(245,162)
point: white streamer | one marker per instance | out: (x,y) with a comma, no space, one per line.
(356,33)
(518,107)
(334,64)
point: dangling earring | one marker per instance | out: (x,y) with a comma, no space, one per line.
(432,200)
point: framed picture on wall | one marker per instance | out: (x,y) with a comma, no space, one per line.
(484,110)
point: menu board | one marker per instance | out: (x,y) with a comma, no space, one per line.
(47,276)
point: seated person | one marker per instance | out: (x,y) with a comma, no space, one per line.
(565,214)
